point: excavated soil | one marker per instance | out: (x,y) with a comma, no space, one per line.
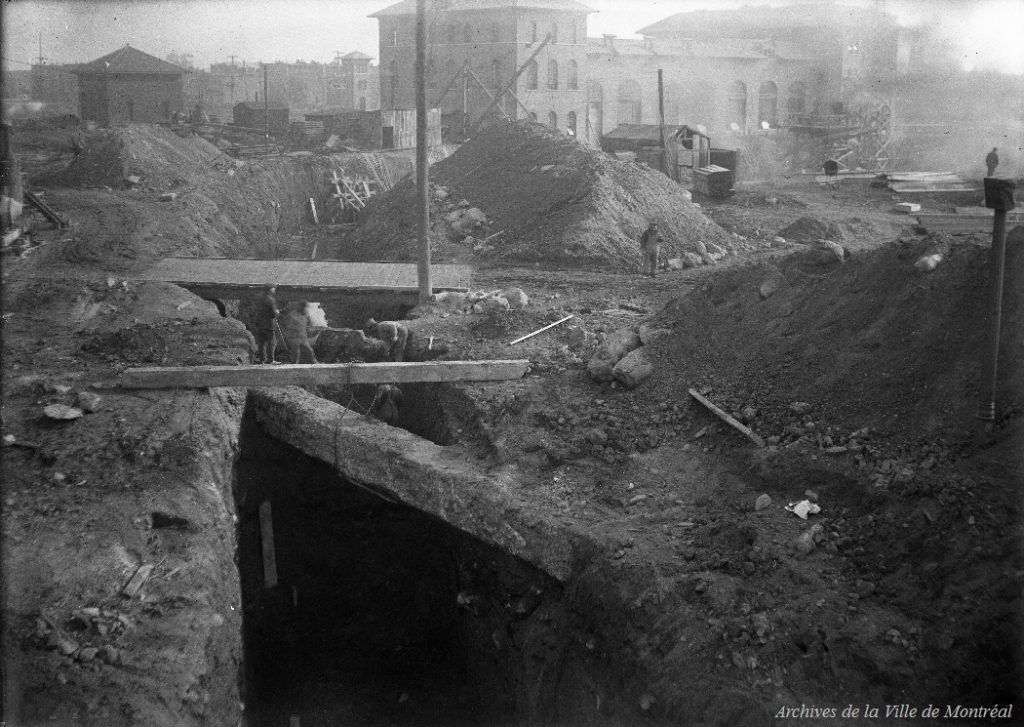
(554,201)
(684,604)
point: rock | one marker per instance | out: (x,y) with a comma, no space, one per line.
(692,260)
(492,303)
(88,401)
(772,284)
(9,439)
(66,645)
(633,369)
(779,240)
(675,263)
(749,567)
(806,542)
(762,502)
(516,298)
(773,440)
(597,436)
(826,252)
(749,414)
(441,193)
(580,338)
(646,701)
(61,412)
(864,588)
(87,654)
(927,263)
(168,196)
(649,335)
(619,343)
(800,407)
(811,495)
(470,240)
(600,368)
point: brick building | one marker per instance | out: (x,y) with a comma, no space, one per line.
(360,86)
(492,39)
(129,85)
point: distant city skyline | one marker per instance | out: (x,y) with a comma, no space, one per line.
(253,31)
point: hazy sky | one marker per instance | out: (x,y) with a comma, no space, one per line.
(987,32)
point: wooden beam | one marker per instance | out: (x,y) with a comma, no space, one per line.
(202,377)
(731,421)
(267,545)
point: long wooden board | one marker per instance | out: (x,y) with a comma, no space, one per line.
(267,545)
(201,377)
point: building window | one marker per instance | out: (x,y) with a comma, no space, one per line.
(553,74)
(496,72)
(574,80)
(768,104)
(737,105)
(533,32)
(361,85)
(451,32)
(796,102)
(394,37)
(554,32)
(570,124)
(630,102)
(467,34)
(553,120)
(531,76)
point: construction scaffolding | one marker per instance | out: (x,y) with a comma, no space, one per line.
(856,140)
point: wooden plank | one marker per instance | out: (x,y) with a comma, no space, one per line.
(202,377)
(727,419)
(267,545)
(138,580)
(540,330)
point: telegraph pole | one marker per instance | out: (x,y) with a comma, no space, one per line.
(422,193)
(266,113)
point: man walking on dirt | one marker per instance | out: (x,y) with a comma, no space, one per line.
(266,322)
(650,248)
(992,161)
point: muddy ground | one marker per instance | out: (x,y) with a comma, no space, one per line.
(684,605)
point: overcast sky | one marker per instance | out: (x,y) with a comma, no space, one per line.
(988,32)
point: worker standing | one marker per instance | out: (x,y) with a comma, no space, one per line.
(294,326)
(992,161)
(266,321)
(650,248)
(392,333)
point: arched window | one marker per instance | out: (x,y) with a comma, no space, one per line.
(467,34)
(737,104)
(451,32)
(796,100)
(570,123)
(574,77)
(496,73)
(630,102)
(531,76)
(768,103)
(553,120)
(553,74)
(533,32)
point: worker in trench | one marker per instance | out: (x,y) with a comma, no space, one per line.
(392,333)
(386,402)
(265,324)
(294,326)
(650,248)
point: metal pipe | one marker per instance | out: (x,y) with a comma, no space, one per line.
(422,192)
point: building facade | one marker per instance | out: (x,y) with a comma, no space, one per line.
(476,48)
(129,85)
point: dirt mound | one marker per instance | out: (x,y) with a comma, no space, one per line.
(553,199)
(872,342)
(809,229)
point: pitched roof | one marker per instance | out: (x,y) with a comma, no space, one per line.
(129,60)
(756,20)
(408,7)
(357,56)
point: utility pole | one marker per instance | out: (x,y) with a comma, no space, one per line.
(422,193)
(661,119)
(41,59)
(266,112)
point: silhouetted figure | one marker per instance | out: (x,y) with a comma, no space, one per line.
(650,248)
(992,161)
(266,320)
(831,169)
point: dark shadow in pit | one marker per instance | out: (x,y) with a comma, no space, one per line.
(384,615)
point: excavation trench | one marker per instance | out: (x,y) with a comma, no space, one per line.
(383,613)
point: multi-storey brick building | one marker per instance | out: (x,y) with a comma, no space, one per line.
(492,40)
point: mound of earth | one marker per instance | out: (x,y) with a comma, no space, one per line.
(809,229)
(553,199)
(872,342)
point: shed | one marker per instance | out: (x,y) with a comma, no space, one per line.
(129,85)
(383,129)
(252,115)
(643,142)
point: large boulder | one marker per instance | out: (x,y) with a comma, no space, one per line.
(610,352)
(633,369)
(600,368)
(516,298)
(649,335)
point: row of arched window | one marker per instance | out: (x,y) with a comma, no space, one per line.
(570,121)
(468,33)
(572,76)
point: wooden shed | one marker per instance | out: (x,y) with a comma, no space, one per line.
(251,114)
(383,129)
(643,142)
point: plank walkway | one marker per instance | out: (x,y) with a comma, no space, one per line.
(202,377)
(222,277)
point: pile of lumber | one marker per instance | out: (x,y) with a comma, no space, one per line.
(966,221)
(927,182)
(352,193)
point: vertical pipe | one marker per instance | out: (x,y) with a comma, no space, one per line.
(266,115)
(990,354)
(422,193)
(661,119)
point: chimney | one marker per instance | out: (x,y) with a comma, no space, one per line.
(609,40)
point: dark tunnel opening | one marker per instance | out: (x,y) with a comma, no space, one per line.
(384,615)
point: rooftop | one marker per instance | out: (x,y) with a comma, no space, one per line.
(757,21)
(129,60)
(408,7)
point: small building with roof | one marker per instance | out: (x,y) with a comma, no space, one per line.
(129,85)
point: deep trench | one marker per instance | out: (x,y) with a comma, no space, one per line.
(384,615)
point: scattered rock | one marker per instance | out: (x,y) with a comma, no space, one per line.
(580,338)
(762,502)
(771,284)
(89,401)
(168,196)
(927,263)
(864,588)
(649,335)
(61,412)
(633,369)
(597,436)
(87,654)
(516,298)
(800,407)
(619,343)
(676,263)
(9,439)
(647,701)
(692,260)
(806,542)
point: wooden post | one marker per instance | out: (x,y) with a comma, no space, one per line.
(266,113)
(511,84)
(465,101)
(661,118)
(422,191)
(267,545)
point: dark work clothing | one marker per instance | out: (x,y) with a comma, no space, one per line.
(266,312)
(265,318)
(265,345)
(992,161)
(650,247)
